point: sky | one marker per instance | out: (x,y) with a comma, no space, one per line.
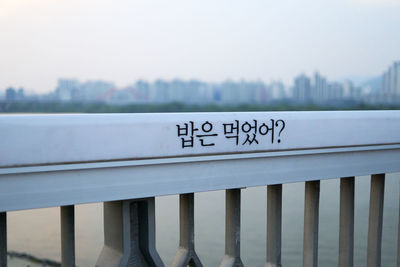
(211,40)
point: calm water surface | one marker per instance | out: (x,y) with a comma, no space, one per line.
(37,232)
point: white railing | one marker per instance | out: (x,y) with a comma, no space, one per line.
(125,160)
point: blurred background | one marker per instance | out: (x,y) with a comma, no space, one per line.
(192,56)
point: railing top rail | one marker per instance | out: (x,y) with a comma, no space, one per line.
(36,140)
(55,160)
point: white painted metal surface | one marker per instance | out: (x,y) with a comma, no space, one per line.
(50,139)
(55,160)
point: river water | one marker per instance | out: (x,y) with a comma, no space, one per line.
(37,232)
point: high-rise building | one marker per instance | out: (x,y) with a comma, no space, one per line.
(277,91)
(302,88)
(386,83)
(335,91)
(396,80)
(319,88)
(230,92)
(11,94)
(349,91)
(67,90)
(391,80)
(195,91)
(159,92)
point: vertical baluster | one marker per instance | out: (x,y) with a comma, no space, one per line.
(67,216)
(186,255)
(346,222)
(274,225)
(129,234)
(375,220)
(3,239)
(311,217)
(232,229)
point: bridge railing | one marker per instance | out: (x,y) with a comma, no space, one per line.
(126,160)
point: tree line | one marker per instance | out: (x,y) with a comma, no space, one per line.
(59,107)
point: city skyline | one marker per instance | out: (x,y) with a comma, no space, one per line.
(316,88)
(356,80)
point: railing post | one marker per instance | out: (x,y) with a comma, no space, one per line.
(346,222)
(311,218)
(3,239)
(67,218)
(232,229)
(129,234)
(186,255)
(375,220)
(274,225)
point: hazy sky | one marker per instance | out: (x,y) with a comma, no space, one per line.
(211,40)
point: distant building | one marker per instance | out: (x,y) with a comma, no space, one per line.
(67,90)
(20,94)
(319,88)
(350,91)
(90,91)
(302,89)
(143,91)
(206,92)
(216,94)
(93,91)
(397,82)
(277,91)
(177,92)
(159,91)
(335,91)
(11,94)
(391,80)
(14,95)
(230,92)
(247,92)
(195,92)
